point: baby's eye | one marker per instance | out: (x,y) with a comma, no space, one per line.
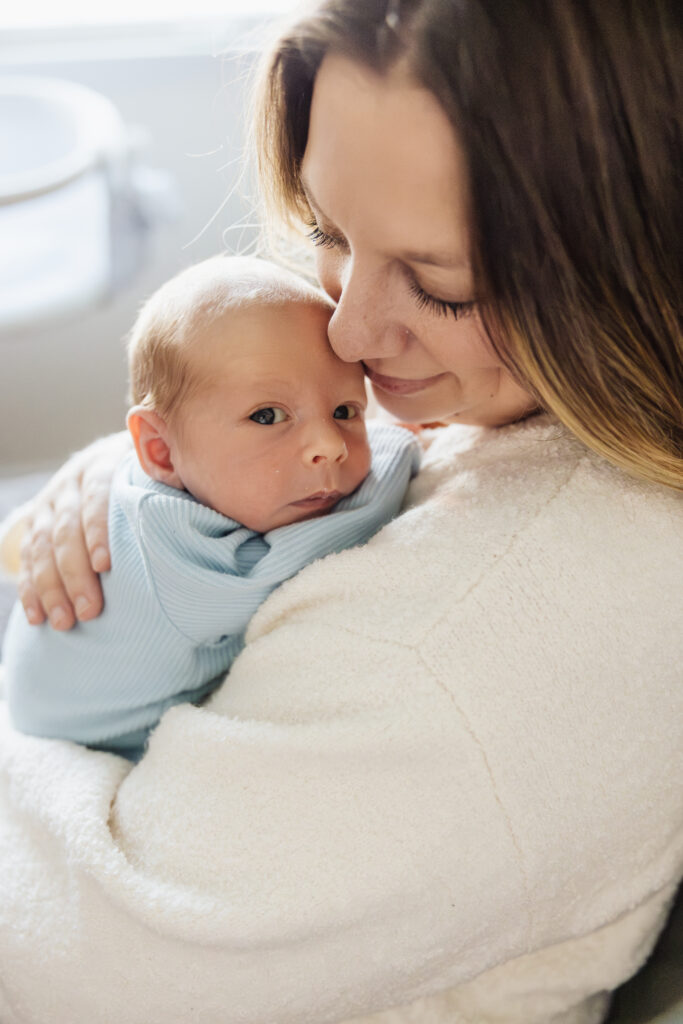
(345,412)
(271,414)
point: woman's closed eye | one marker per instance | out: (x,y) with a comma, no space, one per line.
(269,415)
(423,299)
(322,238)
(440,306)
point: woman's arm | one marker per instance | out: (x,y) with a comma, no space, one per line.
(64,544)
(304,852)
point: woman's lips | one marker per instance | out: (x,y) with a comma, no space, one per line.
(401,385)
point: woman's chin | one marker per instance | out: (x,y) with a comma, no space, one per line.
(426,408)
(431,408)
(419,408)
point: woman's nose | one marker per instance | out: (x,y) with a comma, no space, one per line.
(362,326)
(325,444)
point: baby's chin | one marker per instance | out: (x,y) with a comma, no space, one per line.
(297,512)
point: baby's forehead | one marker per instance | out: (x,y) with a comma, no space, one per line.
(255,326)
(233,320)
(236,282)
(264,304)
(251,294)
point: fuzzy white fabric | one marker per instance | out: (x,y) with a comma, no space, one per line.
(445,775)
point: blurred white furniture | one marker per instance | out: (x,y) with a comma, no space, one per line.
(75,201)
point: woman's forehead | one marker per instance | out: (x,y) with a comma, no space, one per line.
(382,151)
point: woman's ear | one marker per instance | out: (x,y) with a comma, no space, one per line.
(151,437)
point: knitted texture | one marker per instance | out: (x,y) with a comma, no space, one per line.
(442,782)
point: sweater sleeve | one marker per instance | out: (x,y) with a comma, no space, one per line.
(353,821)
(423,765)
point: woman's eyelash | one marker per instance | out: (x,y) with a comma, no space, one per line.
(423,298)
(440,306)
(320,237)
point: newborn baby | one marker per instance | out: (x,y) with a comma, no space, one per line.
(251,460)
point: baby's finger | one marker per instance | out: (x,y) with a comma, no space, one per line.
(45,578)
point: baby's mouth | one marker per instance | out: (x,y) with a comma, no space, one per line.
(319,500)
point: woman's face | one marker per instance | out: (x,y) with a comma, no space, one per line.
(387,185)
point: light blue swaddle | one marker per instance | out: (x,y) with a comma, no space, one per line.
(185,581)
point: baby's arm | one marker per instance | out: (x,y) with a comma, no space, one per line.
(57,686)
(107,682)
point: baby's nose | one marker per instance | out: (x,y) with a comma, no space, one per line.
(325,444)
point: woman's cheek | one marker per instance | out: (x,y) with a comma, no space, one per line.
(464,347)
(479,349)
(329,272)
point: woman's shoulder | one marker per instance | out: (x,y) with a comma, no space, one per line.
(527,512)
(534,468)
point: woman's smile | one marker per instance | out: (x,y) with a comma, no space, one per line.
(401,385)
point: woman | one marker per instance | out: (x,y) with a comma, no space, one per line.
(444,775)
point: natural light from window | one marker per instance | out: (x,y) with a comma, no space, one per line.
(41,14)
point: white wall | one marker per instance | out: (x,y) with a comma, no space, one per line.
(65,384)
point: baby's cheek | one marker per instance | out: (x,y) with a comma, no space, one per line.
(363,461)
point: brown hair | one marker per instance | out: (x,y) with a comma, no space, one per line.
(569,113)
(173,322)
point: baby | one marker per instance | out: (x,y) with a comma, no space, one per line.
(251,460)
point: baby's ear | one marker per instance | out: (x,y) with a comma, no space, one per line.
(151,437)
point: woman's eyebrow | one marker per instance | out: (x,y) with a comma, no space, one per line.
(437,259)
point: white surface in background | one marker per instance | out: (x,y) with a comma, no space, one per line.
(67,194)
(64,383)
(54,252)
(40,133)
(53,130)
(44,13)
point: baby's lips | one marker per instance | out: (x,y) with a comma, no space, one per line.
(324,498)
(326,493)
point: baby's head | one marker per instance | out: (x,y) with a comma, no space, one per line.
(238,397)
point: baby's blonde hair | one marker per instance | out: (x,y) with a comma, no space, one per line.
(174,319)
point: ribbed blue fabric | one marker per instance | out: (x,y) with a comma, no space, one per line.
(184,583)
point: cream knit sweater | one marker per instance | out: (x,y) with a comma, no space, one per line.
(444,776)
